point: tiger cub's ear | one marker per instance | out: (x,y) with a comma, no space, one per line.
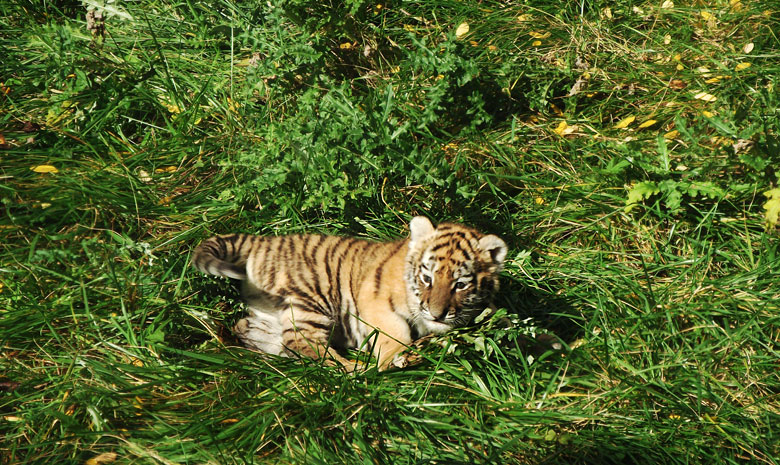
(495,246)
(419,228)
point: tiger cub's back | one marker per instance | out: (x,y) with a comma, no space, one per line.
(318,276)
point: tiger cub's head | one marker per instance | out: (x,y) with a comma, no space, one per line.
(452,271)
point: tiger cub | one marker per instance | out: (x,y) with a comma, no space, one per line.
(316,295)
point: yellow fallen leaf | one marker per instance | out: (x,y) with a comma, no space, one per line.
(172,108)
(743,65)
(492,48)
(625,122)
(105,457)
(524,17)
(44,169)
(539,201)
(536,43)
(608,12)
(345,46)
(707,15)
(647,123)
(748,48)
(563,129)
(672,134)
(165,169)
(679,67)
(713,80)
(462,30)
(772,207)
(708,114)
(705,97)
(539,35)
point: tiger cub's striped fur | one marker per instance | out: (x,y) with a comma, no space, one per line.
(311,294)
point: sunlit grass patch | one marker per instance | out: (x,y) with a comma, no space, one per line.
(627,153)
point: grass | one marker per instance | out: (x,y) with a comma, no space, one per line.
(621,149)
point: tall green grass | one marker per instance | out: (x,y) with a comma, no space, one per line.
(622,149)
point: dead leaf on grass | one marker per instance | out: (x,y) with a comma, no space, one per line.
(44,169)
(462,30)
(105,457)
(625,122)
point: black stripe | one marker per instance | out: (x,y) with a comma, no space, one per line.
(378,278)
(309,301)
(269,266)
(380,269)
(294,254)
(317,246)
(351,270)
(221,247)
(298,326)
(334,288)
(468,255)
(393,308)
(342,255)
(307,259)
(439,246)
(346,328)
(238,243)
(317,289)
(310,258)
